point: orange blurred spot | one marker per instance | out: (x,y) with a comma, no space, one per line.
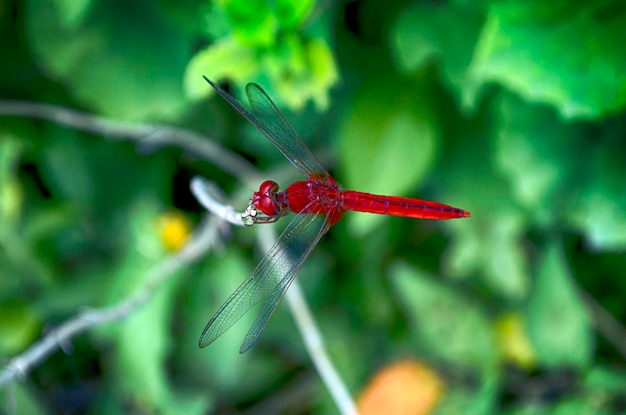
(174,230)
(403,388)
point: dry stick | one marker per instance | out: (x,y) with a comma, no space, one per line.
(209,196)
(144,133)
(313,339)
(204,237)
(606,324)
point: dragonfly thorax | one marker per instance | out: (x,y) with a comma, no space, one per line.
(319,196)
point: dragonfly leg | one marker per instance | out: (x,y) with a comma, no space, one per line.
(252,216)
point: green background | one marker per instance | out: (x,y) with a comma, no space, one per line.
(513,110)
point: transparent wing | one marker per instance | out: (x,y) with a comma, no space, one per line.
(280,132)
(268,119)
(269,281)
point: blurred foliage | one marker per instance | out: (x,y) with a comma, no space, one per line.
(514,110)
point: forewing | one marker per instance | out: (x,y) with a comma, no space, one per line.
(268,119)
(269,281)
(275,126)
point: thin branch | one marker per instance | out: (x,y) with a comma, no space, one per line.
(312,337)
(208,194)
(607,324)
(316,347)
(145,133)
(199,244)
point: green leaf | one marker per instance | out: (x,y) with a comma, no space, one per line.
(491,242)
(494,247)
(12,196)
(538,155)
(427,32)
(462,398)
(197,18)
(217,279)
(323,69)
(252,22)
(287,65)
(68,165)
(445,322)
(142,345)
(598,210)
(224,59)
(603,220)
(386,149)
(143,340)
(301,70)
(606,380)
(109,61)
(570,57)
(19,325)
(89,171)
(292,13)
(558,324)
(578,405)
(26,398)
(73,12)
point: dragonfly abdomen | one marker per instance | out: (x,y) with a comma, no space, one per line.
(398,206)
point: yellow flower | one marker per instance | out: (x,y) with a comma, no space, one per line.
(513,341)
(174,229)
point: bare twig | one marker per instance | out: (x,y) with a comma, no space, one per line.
(312,337)
(210,196)
(199,244)
(153,134)
(606,324)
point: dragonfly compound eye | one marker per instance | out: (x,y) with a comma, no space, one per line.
(267,205)
(265,198)
(268,188)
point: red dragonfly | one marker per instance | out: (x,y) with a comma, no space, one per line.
(319,202)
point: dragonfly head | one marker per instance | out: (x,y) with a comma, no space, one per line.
(265,199)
